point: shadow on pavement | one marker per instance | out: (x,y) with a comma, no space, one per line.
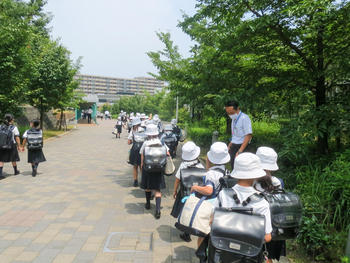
(182,254)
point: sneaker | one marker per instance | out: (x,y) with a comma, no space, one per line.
(186,237)
(157,215)
(148,206)
(136,183)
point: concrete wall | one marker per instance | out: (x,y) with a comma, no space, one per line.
(30,113)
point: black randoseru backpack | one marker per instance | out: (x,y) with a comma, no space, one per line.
(155,158)
(34,139)
(189,177)
(6,136)
(286,214)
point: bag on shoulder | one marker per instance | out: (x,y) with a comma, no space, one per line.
(6,136)
(170,166)
(189,177)
(286,214)
(155,157)
(34,139)
(195,216)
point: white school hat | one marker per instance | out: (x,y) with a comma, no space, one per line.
(268,158)
(247,166)
(136,121)
(218,153)
(173,121)
(168,127)
(190,151)
(151,130)
(156,118)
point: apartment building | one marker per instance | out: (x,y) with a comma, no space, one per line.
(109,89)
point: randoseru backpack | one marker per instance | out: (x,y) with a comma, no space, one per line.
(189,177)
(237,234)
(6,136)
(138,139)
(286,214)
(34,139)
(155,158)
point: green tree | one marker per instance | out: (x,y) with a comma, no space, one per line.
(52,83)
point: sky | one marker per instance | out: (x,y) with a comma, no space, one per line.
(113,36)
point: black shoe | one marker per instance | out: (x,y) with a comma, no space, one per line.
(186,237)
(17,172)
(157,215)
(148,206)
(2,177)
(34,172)
(136,183)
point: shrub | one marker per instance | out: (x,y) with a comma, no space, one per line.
(201,136)
(325,193)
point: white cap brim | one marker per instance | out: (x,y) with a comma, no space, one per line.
(214,160)
(257,173)
(269,166)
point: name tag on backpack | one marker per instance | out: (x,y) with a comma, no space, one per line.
(235,246)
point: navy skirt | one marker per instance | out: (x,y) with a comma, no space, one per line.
(36,156)
(135,156)
(152,181)
(10,155)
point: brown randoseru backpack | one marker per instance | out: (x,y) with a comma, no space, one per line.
(155,158)
(6,136)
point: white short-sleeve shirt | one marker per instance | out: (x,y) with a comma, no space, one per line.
(186,164)
(15,132)
(261,207)
(152,142)
(212,177)
(240,127)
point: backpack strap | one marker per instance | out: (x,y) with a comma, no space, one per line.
(256,197)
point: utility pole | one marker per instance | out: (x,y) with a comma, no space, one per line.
(177,108)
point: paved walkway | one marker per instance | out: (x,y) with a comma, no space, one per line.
(82,207)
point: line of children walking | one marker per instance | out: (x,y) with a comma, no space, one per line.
(10,145)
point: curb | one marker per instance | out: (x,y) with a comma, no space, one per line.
(60,135)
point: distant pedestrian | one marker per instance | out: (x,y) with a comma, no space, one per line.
(241,130)
(118,127)
(9,144)
(107,115)
(34,140)
(89,114)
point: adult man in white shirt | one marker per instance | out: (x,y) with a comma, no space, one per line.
(241,130)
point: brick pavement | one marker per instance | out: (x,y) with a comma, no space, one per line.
(82,198)
(82,207)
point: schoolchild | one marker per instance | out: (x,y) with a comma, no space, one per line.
(34,139)
(269,183)
(190,154)
(169,138)
(247,169)
(118,127)
(9,144)
(135,157)
(158,122)
(217,158)
(152,181)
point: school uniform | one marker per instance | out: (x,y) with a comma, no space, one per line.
(11,155)
(34,156)
(240,127)
(260,207)
(152,180)
(118,126)
(178,205)
(135,156)
(212,178)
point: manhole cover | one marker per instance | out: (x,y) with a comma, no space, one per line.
(129,242)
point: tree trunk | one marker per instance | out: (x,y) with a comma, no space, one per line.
(322,138)
(61,120)
(41,115)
